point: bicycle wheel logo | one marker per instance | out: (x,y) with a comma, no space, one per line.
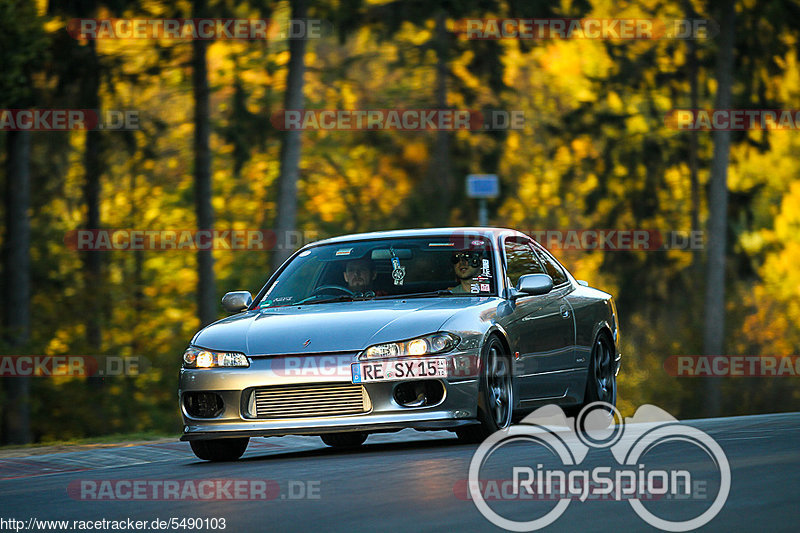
(600,426)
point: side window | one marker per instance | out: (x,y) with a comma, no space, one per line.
(553,269)
(521,260)
(294,284)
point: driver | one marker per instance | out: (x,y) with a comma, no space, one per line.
(359,275)
(466,266)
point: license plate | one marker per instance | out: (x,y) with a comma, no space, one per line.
(398,370)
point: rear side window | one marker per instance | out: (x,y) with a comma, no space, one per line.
(520,260)
(553,269)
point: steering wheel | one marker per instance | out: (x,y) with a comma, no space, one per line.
(323,288)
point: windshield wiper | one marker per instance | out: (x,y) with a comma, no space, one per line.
(362,297)
(340,298)
(428,294)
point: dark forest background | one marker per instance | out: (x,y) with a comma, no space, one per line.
(595,152)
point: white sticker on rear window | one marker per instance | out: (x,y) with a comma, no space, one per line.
(344,251)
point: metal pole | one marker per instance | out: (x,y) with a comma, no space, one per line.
(483,213)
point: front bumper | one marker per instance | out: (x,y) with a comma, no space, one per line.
(457,408)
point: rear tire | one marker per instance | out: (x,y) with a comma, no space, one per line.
(495,393)
(344,440)
(219,449)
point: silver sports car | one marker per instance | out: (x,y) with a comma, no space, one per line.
(463,329)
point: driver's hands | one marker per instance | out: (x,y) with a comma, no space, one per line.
(367,294)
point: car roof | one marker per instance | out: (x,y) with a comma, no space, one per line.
(425,232)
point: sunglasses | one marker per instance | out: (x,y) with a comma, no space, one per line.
(472,258)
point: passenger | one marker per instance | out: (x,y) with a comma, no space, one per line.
(466,266)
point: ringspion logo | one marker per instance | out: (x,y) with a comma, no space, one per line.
(636,478)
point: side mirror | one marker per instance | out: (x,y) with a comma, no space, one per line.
(534,284)
(237,301)
(583,283)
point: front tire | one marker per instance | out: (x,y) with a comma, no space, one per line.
(495,393)
(601,383)
(344,440)
(219,449)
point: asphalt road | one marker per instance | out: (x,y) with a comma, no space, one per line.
(406,481)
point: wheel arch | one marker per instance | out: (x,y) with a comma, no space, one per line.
(498,331)
(603,327)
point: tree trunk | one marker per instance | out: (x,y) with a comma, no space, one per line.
(91,197)
(693,170)
(17,286)
(286,219)
(206,289)
(94,291)
(441,164)
(714,331)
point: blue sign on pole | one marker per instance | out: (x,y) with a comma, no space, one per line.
(483,186)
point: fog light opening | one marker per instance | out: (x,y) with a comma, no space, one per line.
(419,393)
(203,404)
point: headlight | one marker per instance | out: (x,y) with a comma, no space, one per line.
(427,345)
(200,358)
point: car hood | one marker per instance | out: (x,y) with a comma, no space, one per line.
(331,327)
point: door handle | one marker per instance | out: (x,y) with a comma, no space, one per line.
(565,311)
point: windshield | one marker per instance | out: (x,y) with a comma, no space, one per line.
(385,269)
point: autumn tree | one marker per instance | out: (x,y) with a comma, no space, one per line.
(23,42)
